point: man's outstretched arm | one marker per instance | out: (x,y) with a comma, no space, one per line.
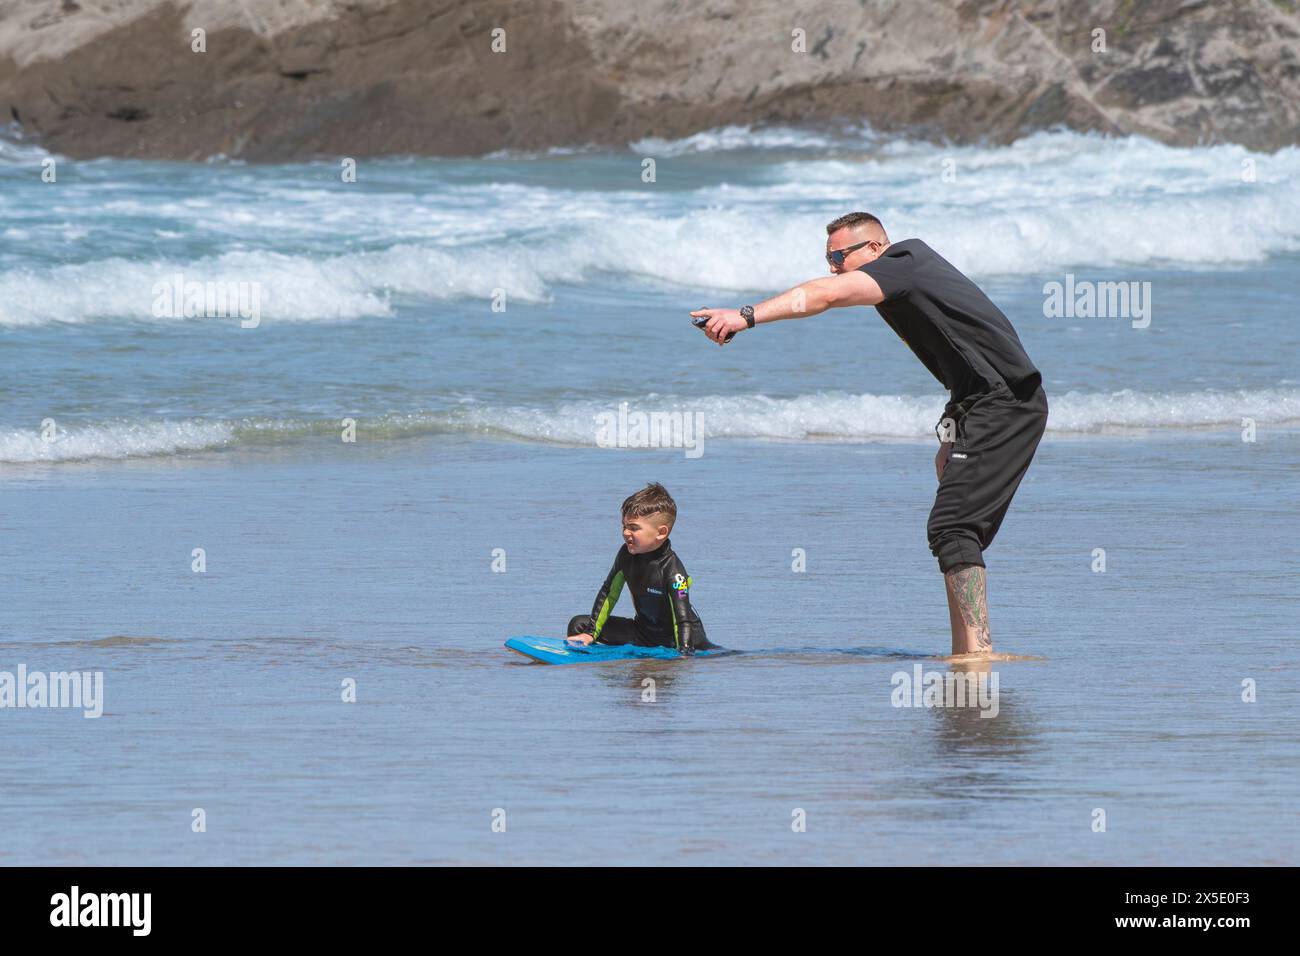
(807,298)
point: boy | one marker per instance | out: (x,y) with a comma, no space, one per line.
(659,583)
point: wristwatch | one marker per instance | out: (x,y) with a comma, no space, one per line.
(747,313)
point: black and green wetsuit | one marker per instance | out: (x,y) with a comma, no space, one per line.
(661,594)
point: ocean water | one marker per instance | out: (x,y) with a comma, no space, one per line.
(479,500)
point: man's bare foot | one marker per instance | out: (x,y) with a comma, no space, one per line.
(977,660)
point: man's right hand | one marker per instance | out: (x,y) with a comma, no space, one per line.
(719,324)
(941,459)
(581,638)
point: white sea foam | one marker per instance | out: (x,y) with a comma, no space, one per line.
(1046,204)
(293,287)
(15,152)
(841,416)
(128,439)
(817,417)
(738,137)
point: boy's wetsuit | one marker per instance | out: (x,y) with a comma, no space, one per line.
(660,590)
(998,408)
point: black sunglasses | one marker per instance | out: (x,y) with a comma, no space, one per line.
(837,256)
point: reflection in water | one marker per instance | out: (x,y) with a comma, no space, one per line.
(643,681)
(976,754)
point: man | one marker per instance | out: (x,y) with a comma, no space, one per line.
(998,410)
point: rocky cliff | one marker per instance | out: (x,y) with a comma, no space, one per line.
(283,79)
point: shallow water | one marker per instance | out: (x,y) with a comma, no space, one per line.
(375,564)
(373,561)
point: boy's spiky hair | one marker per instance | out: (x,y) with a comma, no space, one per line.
(651,500)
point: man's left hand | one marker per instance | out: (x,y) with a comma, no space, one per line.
(941,458)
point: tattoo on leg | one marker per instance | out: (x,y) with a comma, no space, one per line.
(967,582)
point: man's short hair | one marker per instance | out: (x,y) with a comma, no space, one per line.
(852,219)
(653,499)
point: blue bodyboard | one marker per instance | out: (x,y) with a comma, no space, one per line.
(556,650)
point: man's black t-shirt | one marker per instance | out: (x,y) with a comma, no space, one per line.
(961,337)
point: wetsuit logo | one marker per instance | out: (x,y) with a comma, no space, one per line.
(680,583)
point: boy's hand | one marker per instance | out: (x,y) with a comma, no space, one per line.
(941,459)
(583,639)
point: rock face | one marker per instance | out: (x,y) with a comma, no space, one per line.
(291,79)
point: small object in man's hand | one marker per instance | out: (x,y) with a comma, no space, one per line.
(701,323)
